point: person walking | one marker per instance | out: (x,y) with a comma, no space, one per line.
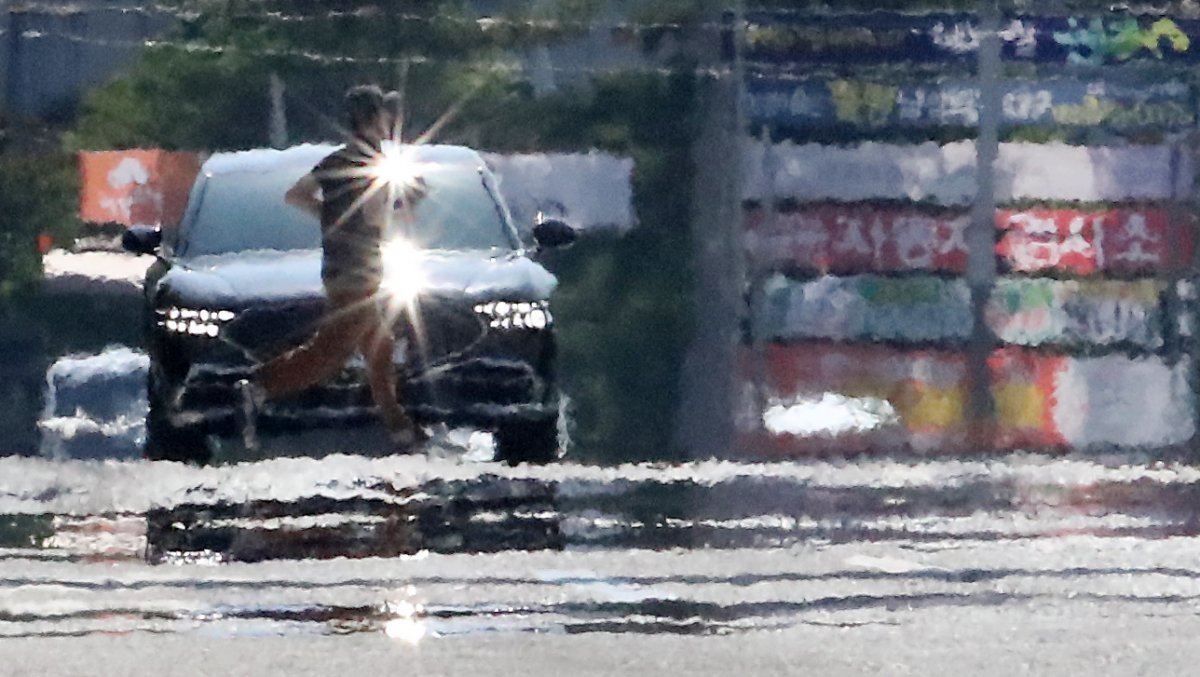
(354,208)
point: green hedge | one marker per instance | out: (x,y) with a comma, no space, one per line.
(38,194)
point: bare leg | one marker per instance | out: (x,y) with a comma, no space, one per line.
(325,354)
(376,346)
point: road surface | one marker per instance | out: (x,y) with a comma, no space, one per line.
(447,564)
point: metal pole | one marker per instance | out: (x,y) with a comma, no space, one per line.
(981,232)
(755,276)
(278,132)
(15,66)
(705,425)
(7,49)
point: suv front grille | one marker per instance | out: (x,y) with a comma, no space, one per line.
(270,329)
(446,328)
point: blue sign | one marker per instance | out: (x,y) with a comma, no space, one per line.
(819,103)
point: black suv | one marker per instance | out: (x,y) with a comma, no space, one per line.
(239,281)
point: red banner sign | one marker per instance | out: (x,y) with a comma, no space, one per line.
(1127,240)
(132,187)
(838,238)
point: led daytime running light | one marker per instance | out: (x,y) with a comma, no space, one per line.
(516,315)
(194,321)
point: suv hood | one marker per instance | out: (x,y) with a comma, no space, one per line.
(251,278)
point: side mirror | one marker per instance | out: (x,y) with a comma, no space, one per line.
(141,240)
(553,233)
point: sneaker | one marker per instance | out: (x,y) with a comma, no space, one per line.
(252,398)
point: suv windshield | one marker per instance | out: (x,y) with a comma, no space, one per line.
(241,211)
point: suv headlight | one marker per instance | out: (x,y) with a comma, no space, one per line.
(516,314)
(194,321)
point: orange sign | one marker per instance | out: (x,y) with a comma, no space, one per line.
(135,187)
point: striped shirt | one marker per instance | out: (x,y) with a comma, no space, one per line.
(353,218)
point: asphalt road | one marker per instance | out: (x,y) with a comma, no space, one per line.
(446,564)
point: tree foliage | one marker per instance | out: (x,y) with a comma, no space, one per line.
(175,100)
(37,196)
(625,304)
(207,87)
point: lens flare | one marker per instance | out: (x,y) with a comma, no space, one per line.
(406,624)
(403,277)
(397,165)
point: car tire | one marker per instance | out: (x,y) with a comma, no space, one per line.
(527,441)
(166,441)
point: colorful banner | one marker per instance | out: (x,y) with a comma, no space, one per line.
(135,187)
(785,36)
(917,400)
(841,238)
(860,238)
(865,307)
(823,104)
(1042,311)
(1023,385)
(946,174)
(920,399)
(917,309)
(1121,240)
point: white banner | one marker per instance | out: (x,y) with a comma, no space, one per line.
(1117,401)
(946,174)
(587,190)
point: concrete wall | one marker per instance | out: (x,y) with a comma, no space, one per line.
(55,51)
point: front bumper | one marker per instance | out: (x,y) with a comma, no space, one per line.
(503,376)
(479,393)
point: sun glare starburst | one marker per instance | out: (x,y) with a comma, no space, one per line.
(397,166)
(403,276)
